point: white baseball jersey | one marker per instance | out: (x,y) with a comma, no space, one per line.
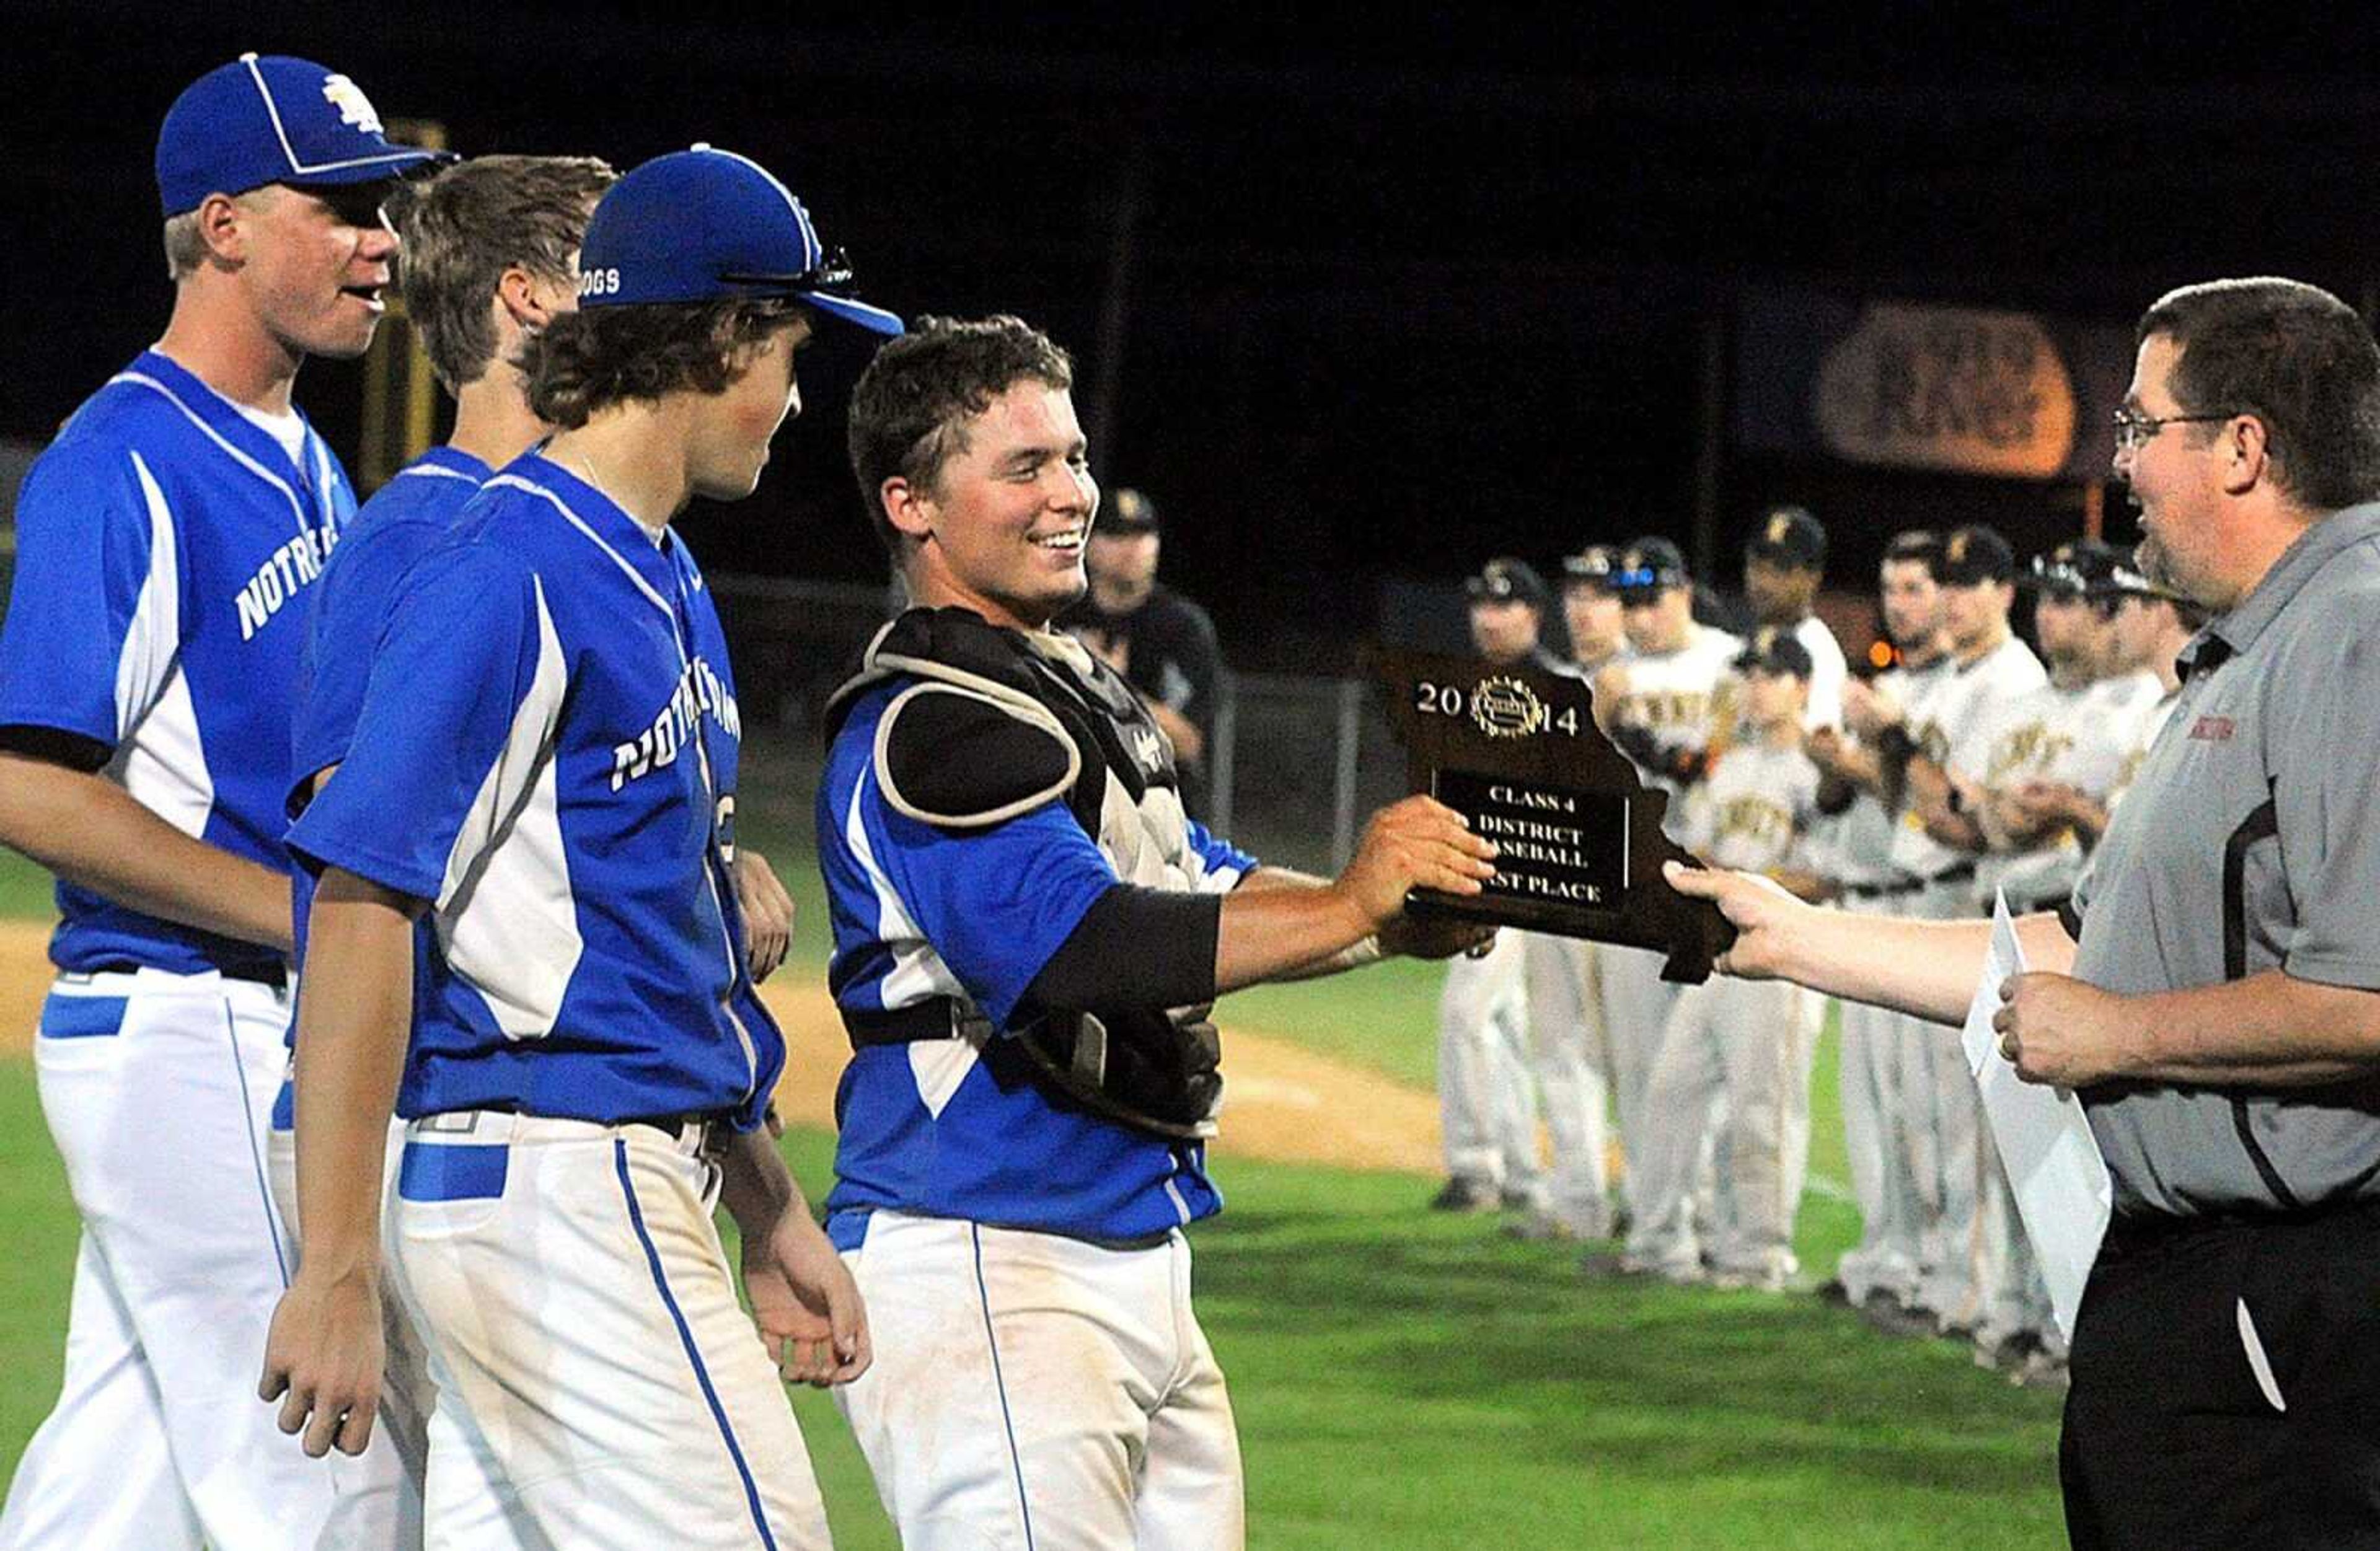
(1752,812)
(1677,695)
(1949,722)
(2078,736)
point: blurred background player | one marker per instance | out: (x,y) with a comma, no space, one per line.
(490,257)
(545,761)
(1924,745)
(1731,1076)
(167,543)
(1017,1228)
(1670,705)
(1881,1053)
(1488,1113)
(1784,565)
(1161,642)
(1567,1054)
(2146,633)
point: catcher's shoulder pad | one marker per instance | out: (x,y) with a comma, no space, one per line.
(964,743)
(962,757)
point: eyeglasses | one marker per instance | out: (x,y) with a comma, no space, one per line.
(2134,429)
(830,274)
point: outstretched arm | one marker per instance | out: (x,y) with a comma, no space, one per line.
(1925,968)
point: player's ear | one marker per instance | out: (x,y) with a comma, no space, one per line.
(2247,454)
(516,292)
(222,227)
(907,507)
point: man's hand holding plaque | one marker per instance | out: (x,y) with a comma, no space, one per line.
(1515,750)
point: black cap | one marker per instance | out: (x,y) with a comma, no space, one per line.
(1790,536)
(1649,566)
(1973,554)
(1506,581)
(1772,650)
(1127,512)
(1594,566)
(2090,568)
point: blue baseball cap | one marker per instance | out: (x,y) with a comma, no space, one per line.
(273,119)
(707,224)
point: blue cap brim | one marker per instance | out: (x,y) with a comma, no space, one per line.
(875,319)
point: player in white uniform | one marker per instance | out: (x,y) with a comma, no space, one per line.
(1732,1073)
(1784,564)
(1488,1111)
(1670,705)
(1570,1057)
(1025,946)
(544,768)
(167,542)
(1946,737)
(1881,1051)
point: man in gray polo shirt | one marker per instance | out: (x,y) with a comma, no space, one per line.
(2210,992)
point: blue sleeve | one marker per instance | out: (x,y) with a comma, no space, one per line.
(94,612)
(463,700)
(1225,863)
(996,902)
(351,606)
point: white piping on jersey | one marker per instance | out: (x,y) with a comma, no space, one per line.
(162,764)
(917,971)
(272,111)
(159,758)
(154,638)
(506,916)
(1023,707)
(296,507)
(431,471)
(516,482)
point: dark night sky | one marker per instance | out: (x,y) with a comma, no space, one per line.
(1399,297)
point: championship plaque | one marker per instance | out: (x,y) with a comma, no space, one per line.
(1515,751)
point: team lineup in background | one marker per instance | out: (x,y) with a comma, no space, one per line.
(406,1039)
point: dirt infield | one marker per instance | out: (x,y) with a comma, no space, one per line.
(1284,1104)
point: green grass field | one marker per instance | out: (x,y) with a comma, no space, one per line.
(1406,1380)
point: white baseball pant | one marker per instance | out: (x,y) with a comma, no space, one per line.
(1036,1391)
(1733,1078)
(1875,1052)
(599,1385)
(158,1090)
(380,1503)
(1636,1003)
(1487,1115)
(1570,1062)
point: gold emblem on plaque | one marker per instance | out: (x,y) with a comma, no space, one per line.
(1506,707)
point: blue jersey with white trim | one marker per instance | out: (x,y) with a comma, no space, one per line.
(939,1128)
(165,544)
(547,753)
(403,520)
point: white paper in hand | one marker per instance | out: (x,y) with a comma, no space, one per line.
(2054,1168)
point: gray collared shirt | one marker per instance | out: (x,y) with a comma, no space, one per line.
(2250,841)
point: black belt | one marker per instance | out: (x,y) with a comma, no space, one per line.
(934,1018)
(1962,873)
(274,976)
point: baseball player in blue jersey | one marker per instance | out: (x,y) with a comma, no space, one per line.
(544,767)
(489,258)
(167,542)
(1027,932)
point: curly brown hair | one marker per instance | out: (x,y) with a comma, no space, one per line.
(588,360)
